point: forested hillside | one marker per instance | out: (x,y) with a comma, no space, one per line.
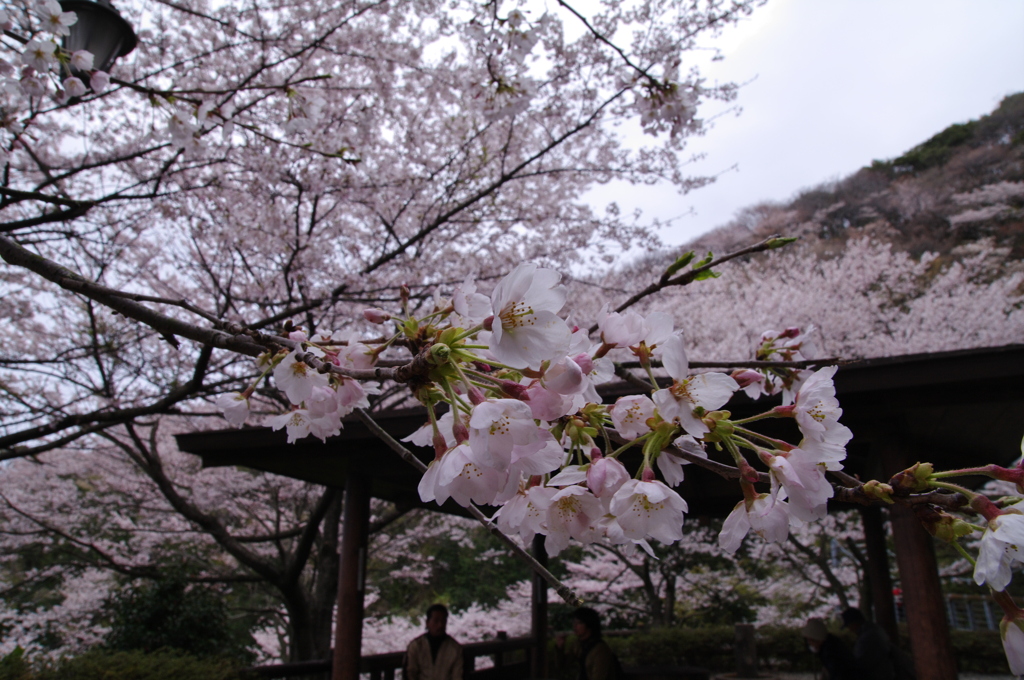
(921,253)
(961,186)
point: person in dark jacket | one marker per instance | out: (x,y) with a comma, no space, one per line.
(835,657)
(596,659)
(872,650)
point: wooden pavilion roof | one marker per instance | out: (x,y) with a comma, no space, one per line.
(954,409)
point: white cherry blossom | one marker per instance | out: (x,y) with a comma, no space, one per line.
(630,414)
(470,305)
(99,81)
(297,379)
(296,423)
(55,19)
(74,87)
(460,477)
(40,54)
(766,514)
(707,390)
(526,513)
(816,407)
(1013,644)
(605,476)
(82,60)
(572,514)
(803,479)
(527,330)
(498,425)
(235,408)
(1000,548)
(649,509)
(671,465)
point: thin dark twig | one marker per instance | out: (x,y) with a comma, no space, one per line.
(690,276)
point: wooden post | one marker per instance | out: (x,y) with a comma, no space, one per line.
(882,601)
(746,651)
(348,629)
(539,613)
(922,598)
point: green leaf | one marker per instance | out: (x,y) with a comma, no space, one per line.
(781,241)
(705,262)
(683,260)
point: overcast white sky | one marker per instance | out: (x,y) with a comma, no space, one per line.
(837,83)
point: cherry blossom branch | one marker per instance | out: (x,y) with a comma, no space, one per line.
(666,280)
(47,218)
(601,38)
(480,195)
(807,363)
(563,590)
(19,195)
(822,563)
(103,418)
(167,326)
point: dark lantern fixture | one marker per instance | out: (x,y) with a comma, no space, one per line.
(100,29)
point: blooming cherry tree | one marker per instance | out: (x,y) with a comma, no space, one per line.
(309,186)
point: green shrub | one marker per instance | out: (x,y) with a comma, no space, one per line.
(100,664)
(173,615)
(779,649)
(707,647)
(979,652)
(14,667)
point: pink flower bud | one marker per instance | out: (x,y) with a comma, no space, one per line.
(585,363)
(1013,475)
(375,315)
(746,377)
(99,81)
(440,446)
(460,431)
(476,396)
(985,507)
(515,390)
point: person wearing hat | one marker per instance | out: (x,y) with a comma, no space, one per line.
(835,657)
(872,650)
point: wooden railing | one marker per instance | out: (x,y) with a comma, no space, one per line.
(510,657)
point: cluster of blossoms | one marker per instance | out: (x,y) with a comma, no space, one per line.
(667,106)
(320,400)
(1001,537)
(999,549)
(43,59)
(516,422)
(515,419)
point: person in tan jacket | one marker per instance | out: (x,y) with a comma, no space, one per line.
(435,655)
